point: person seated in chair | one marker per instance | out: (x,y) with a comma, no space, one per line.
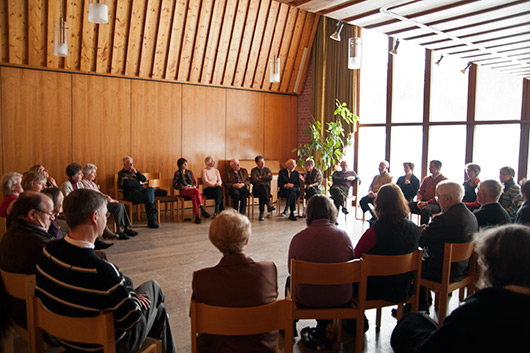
(71,280)
(184,181)
(342,181)
(237,281)
(11,188)
(511,198)
(408,183)
(523,215)
(490,213)
(33,181)
(425,204)
(260,177)
(238,185)
(379,180)
(131,181)
(289,184)
(211,179)
(312,179)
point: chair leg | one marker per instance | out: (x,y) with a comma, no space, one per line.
(442,311)
(337,326)
(378,318)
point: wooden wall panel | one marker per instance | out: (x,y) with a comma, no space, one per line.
(162,39)
(17,19)
(213,41)
(175,41)
(152,18)
(36,122)
(280,126)
(105,34)
(134,46)
(156,126)
(36,33)
(74,17)
(224,41)
(121,30)
(244,50)
(203,125)
(244,124)
(101,124)
(88,43)
(201,40)
(4,31)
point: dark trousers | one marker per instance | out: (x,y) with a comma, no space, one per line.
(120,214)
(291,195)
(310,192)
(263,193)
(364,204)
(239,199)
(426,212)
(153,323)
(339,193)
(147,197)
(215,193)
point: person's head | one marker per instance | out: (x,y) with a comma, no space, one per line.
(503,255)
(57,198)
(74,172)
(506,173)
(449,193)
(85,206)
(209,161)
(320,207)
(344,166)
(90,172)
(525,188)
(408,167)
(229,232)
(128,163)
(35,208)
(182,164)
(435,166)
(472,170)
(290,164)
(488,191)
(383,167)
(390,204)
(260,161)
(309,164)
(234,164)
(11,184)
(33,181)
(40,168)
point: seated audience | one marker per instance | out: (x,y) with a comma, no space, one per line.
(425,204)
(33,181)
(211,180)
(74,172)
(236,281)
(523,215)
(379,180)
(342,181)
(391,234)
(409,183)
(312,179)
(470,186)
(511,198)
(455,225)
(260,177)
(57,197)
(237,183)
(50,182)
(289,184)
(308,244)
(184,181)
(490,213)
(131,181)
(495,319)
(12,189)
(114,206)
(72,281)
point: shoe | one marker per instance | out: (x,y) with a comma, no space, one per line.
(261,218)
(345,210)
(313,341)
(101,245)
(285,212)
(107,234)
(204,213)
(270,208)
(130,232)
(292,217)
(198,219)
(123,236)
(153,225)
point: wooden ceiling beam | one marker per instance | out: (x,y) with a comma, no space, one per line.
(235,42)
(246,43)
(162,38)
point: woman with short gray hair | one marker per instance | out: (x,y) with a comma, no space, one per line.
(11,188)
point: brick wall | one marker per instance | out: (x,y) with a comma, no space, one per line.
(304,106)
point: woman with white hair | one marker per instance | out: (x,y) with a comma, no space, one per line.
(211,179)
(11,188)
(237,281)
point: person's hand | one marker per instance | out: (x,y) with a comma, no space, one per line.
(422,204)
(101,254)
(350,178)
(407,181)
(144,301)
(423,226)
(52,181)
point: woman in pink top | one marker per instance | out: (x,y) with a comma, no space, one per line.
(11,188)
(211,179)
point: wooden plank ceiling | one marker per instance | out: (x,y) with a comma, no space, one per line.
(224,43)
(492,33)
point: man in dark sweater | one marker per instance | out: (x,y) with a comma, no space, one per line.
(73,281)
(491,213)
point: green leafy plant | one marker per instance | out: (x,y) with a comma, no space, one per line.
(325,146)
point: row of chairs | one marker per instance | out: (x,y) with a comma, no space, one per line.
(281,314)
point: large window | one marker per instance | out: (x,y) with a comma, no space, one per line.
(405,146)
(447,144)
(372,147)
(448,90)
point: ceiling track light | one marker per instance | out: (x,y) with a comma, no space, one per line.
(336,34)
(396,46)
(439,60)
(465,68)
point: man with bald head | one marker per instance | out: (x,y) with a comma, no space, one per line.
(491,213)
(237,183)
(289,183)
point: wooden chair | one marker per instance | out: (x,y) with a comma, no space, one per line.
(3,227)
(453,252)
(94,330)
(229,202)
(304,272)
(200,185)
(385,265)
(170,198)
(300,202)
(231,321)
(118,195)
(20,286)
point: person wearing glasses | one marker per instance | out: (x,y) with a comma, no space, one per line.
(511,198)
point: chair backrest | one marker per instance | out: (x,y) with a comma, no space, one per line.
(118,192)
(151,175)
(94,330)
(164,184)
(455,252)
(231,321)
